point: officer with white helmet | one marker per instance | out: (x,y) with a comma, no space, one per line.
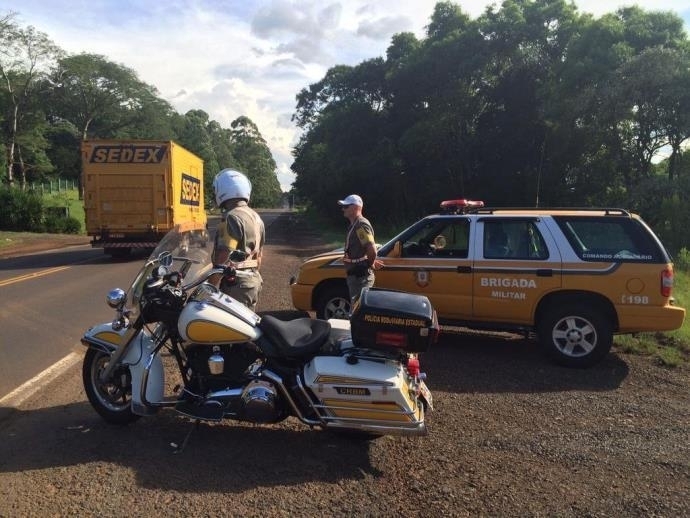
(241,228)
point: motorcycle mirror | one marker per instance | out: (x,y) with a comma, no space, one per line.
(165,259)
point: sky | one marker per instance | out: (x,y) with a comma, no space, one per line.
(247,57)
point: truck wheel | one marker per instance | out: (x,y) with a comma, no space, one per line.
(333,302)
(575,335)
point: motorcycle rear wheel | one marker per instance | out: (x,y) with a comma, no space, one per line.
(113,399)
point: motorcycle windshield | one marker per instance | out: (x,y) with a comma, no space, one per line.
(186,249)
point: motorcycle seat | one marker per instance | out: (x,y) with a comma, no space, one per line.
(293,338)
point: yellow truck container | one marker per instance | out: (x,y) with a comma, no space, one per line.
(135,191)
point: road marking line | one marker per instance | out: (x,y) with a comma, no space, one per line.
(32,275)
(28,389)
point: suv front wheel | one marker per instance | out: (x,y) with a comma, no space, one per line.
(576,335)
(333,302)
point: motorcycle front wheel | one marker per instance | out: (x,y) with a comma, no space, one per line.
(112,399)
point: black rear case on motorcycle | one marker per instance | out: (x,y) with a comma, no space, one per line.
(387,319)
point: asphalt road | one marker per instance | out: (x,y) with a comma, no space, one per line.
(49,299)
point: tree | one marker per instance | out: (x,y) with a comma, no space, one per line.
(63,141)
(517,155)
(25,57)
(344,86)
(446,19)
(192,133)
(221,140)
(254,159)
(674,102)
(152,120)
(532,102)
(100,98)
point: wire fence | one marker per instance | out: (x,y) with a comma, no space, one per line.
(59,185)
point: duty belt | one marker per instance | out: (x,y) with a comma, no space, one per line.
(349,260)
(247,265)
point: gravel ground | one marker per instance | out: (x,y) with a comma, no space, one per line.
(511,435)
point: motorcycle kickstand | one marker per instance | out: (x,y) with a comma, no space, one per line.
(178,448)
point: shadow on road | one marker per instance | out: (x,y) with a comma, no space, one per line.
(67,257)
(214,459)
(487,363)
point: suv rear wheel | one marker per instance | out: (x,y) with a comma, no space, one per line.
(576,335)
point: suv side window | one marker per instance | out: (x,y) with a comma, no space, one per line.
(515,239)
(610,239)
(439,238)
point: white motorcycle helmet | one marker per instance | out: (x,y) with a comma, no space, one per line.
(229,184)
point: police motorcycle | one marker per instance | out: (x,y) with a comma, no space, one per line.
(360,375)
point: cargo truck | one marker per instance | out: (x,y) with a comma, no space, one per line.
(135,191)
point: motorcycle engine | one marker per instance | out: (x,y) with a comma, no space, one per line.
(219,367)
(260,402)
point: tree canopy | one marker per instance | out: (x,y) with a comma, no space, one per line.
(530,104)
(51,100)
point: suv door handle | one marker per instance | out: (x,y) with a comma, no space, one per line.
(464,269)
(546,272)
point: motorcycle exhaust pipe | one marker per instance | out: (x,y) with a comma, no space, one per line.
(278,381)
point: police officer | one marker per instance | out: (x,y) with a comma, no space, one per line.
(241,228)
(360,248)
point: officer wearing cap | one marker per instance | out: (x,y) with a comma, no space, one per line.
(360,249)
(241,228)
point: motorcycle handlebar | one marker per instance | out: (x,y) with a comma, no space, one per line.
(225,271)
(204,278)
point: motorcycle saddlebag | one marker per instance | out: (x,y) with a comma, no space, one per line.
(387,319)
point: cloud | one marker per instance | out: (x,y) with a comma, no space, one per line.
(299,29)
(329,17)
(285,120)
(288,65)
(307,50)
(282,18)
(382,28)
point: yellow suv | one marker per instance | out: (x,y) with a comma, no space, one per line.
(574,276)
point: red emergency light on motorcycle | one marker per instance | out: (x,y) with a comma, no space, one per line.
(413,367)
(460,206)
